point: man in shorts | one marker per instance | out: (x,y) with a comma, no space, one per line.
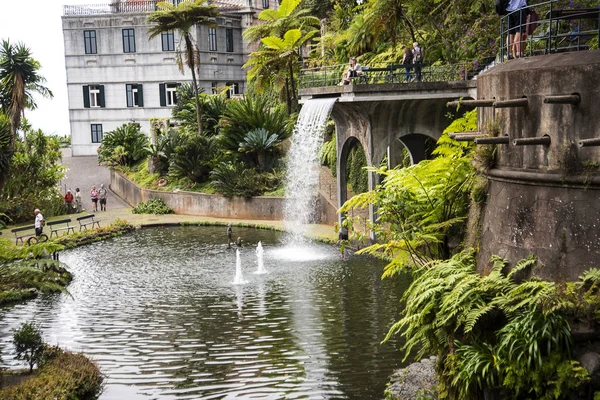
(102,193)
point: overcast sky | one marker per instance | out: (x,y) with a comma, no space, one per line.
(37,23)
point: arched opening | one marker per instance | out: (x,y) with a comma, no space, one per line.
(419,147)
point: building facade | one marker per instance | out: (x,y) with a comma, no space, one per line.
(117,75)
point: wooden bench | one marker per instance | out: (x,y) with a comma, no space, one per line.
(55,230)
(88,220)
(32,238)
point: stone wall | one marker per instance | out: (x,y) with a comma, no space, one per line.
(543,199)
(190,203)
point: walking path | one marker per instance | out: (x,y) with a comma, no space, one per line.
(83,172)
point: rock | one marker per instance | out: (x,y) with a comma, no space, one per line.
(415,381)
(591,362)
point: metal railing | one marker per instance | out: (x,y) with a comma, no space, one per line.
(558,29)
(137,6)
(331,75)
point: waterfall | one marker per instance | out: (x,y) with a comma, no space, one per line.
(302,178)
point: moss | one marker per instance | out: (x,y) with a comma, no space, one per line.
(64,375)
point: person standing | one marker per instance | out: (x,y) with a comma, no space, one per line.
(102,193)
(78,200)
(69,201)
(39,222)
(94,197)
(517,24)
(417,60)
(229,235)
(407,59)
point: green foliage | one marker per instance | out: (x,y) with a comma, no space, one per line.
(497,332)
(35,172)
(213,107)
(358,177)
(249,114)
(125,146)
(153,206)
(235,179)
(29,345)
(194,157)
(261,146)
(328,154)
(62,376)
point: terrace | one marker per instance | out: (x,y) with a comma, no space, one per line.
(137,6)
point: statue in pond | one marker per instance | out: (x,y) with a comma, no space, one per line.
(239,242)
(229,234)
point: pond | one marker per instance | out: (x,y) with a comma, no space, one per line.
(157,310)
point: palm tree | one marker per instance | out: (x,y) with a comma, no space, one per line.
(183,18)
(277,63)
(19,79)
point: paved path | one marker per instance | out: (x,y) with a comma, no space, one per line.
(83,172)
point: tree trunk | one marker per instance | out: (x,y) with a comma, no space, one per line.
(192,65)
(294,101)
(288,96)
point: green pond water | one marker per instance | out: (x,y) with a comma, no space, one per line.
(157,311)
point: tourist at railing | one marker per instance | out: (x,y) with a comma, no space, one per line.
(354,70)
(517,19)
(417,59)
(407,60)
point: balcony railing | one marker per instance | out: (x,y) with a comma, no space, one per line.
(558,29)
(137,6)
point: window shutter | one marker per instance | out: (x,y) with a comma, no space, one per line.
(101,96)
(140,95)
(128,96)
(86,96)
(163,95)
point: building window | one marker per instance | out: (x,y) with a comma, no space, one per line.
(229,39)
(93,96)
(233,89)
(212,39)
(96,133)
(129,40)
(90,42)
(168,94)
(135,95)
(168,41)
(214,87)
(265,3)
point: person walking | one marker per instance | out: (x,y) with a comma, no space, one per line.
(407,59)
(39,222)
(102,193)
(417,60)
(94,197)
(78,200)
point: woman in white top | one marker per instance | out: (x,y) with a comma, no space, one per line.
(517,22)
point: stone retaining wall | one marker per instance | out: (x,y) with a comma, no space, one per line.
(191,203)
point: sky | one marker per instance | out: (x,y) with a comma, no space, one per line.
(37,23)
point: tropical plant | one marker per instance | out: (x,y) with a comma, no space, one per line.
(213,107)
(124,146)
(248,114)
(276,63)
(420,206)
(182,18)
(19,79)
(29,345)
(259,144)
(328,154)
(497,332)
(194,158)
(235,179)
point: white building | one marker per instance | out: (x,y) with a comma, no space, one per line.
(116,75)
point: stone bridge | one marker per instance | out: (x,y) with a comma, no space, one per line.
(386,118)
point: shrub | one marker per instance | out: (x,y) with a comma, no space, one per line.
(235,179)
(194,158)
(29,344)
(62,376)
(153,206)
(124,146)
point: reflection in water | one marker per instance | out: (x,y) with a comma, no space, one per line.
(156,309)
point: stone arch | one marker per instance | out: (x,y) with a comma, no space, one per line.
(419,146)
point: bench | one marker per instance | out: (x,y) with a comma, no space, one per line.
(55,230)
(87,220)
(32,238)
